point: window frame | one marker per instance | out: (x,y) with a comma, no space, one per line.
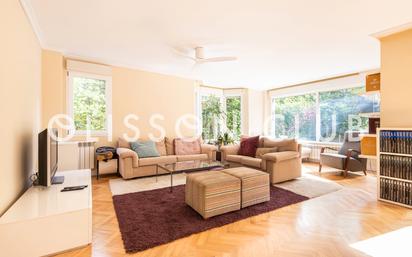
(234,95)
(222,95)
(108,98)
(318,116)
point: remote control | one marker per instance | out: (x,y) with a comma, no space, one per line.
(66,189)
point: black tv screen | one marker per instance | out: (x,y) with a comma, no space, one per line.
(48,156)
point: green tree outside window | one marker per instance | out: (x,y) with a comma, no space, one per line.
(89,102)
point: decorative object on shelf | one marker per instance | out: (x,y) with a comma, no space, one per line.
(395,166)
(373,94)
(373,82)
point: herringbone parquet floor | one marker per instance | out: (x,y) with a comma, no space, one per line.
(323,226)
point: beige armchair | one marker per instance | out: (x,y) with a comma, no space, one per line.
(282,158)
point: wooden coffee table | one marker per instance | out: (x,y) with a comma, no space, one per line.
(188,166)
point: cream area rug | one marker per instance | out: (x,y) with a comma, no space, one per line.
(308,185)
(120,186)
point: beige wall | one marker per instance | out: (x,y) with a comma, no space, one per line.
(396,80)
(255,111)
(145,93)
(53,85)
(20,71)
(133,92)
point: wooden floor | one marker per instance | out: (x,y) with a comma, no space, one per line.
(323,226)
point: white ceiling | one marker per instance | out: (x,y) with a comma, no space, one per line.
(278,42)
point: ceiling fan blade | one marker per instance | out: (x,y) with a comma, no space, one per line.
(218,59)
(181,54)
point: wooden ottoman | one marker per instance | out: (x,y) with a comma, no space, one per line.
(212,193)
(255,185)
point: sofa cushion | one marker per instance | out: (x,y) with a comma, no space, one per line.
(192,157)
(233,158)
(187,147)
(333,160)
(264,150)
(251,161)
(145,148)
(248,146)
(157,160)
(161,147)
(281,156)
(169,146)
(281,144)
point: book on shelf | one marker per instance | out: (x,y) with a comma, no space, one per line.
(395,170)
(396,141)
(396,166)
(396,191)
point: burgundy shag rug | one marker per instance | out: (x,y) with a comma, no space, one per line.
(151,218)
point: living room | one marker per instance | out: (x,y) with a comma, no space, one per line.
(189,128)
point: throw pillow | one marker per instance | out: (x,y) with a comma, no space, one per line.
(248,146)
(186,147)
(123,143)
(264,150)
(145,149)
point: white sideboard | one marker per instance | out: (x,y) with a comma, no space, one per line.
(44,220)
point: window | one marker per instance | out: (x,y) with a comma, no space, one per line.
(234,115)
(212,113)
(89,102)
(295,117)
(322,116)
(339,112)
(220,115)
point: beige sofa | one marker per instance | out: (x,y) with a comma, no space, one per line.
(131,166)
(280,158)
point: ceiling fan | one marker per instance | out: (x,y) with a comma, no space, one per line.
(200,57)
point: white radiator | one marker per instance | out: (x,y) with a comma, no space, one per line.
(76,155)
(86,155)
(315,148)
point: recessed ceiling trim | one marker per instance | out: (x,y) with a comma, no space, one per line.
(326,79)
(394,30)
(31,16)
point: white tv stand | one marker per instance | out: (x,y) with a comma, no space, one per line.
(45,221)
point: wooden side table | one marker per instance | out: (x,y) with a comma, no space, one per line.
(102,157)
(218,156)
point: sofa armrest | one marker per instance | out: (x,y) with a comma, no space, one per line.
(281,156)
(210,150)
(127,153)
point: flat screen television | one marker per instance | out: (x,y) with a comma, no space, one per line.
(48,158)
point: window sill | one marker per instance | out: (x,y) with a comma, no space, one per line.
(319,142)
(91,133)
